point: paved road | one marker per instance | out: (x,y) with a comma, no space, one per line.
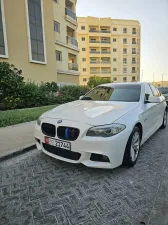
(38,190)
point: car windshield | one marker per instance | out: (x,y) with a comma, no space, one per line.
(122,93)
(163,90)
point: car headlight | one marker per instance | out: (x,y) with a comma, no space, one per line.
(39,121)
(106,130)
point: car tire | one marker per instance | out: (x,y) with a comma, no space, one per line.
(132,148)
(164,124)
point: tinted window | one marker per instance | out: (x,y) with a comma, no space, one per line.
(148,92)
(155,91)
(123,93)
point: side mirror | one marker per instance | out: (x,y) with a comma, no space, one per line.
(153,99)
(81,97)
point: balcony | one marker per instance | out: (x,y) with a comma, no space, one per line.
(124,62)
(70,14)
(94,31)
(133,62)
(134,53)
(124,53)
(94,52)
(133,71)
(73,66)
(105,41)
(106,72)
(105,31)
(134,43)
(72,41)
(134,32)
(125,43)
(94,62)
(105,62)
(95,72)
(94,41)
(105,52)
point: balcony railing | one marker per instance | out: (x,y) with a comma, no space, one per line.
(94,31)
(134,42)
(94,52)
(134,32)
(73,66)
(134,53)
(105,41)
(133,71)
(72,41)
(105,72)
(105,31)
(105,62)
(124,62)
(94,72)
(133,62)
(125,43)
(93,41)
(106,52)
(70,13)
(124,53)
(95,62)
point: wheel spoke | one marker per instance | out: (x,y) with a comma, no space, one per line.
(135,145)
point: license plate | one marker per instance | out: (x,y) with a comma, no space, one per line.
(57,143)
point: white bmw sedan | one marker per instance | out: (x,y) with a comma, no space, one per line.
(105,128)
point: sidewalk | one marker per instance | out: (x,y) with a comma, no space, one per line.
(17,137)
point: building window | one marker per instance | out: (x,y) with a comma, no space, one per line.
(124,60)
(58,56)
(84,69)
(114,69)
(124,30)
(114,50)
(56,27)
(133,79)
(3,39)
(133,60)
(124,79)
(114,60)
(133,30)
(83,38)
(36,31)
(124,50)
(133,50)
(56,1)
(83,49)
(114,28)
(82,27)
(124,70)
(114,39)
(134,41)
(133,70)
(84,79)
(114,78)
(83,59)
(124,40)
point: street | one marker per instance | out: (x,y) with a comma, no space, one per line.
(38,190)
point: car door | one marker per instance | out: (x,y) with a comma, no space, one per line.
(160,107)
(148,115)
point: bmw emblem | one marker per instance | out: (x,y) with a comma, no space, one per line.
(59,121)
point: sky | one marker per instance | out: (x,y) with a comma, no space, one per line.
(153,16)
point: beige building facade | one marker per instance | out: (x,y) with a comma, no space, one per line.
(109,48)
(40,37)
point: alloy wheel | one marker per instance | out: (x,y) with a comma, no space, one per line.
(135,146)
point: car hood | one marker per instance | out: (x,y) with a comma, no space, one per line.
(91,112)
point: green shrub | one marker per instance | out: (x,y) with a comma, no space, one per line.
(96,80)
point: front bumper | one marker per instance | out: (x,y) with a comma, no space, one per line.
(112,147)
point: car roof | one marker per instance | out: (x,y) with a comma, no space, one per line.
(126,83)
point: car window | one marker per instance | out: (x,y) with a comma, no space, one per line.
(148,92)
(155,91)
(163,90)
(123,93)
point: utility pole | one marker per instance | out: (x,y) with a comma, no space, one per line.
(162,79)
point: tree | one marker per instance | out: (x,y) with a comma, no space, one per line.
(96,80)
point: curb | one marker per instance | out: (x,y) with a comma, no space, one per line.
(17,152)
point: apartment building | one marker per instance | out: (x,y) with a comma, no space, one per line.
(109,48)
(39,37)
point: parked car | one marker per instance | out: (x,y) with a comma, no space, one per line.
(105,128)
(164,91)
